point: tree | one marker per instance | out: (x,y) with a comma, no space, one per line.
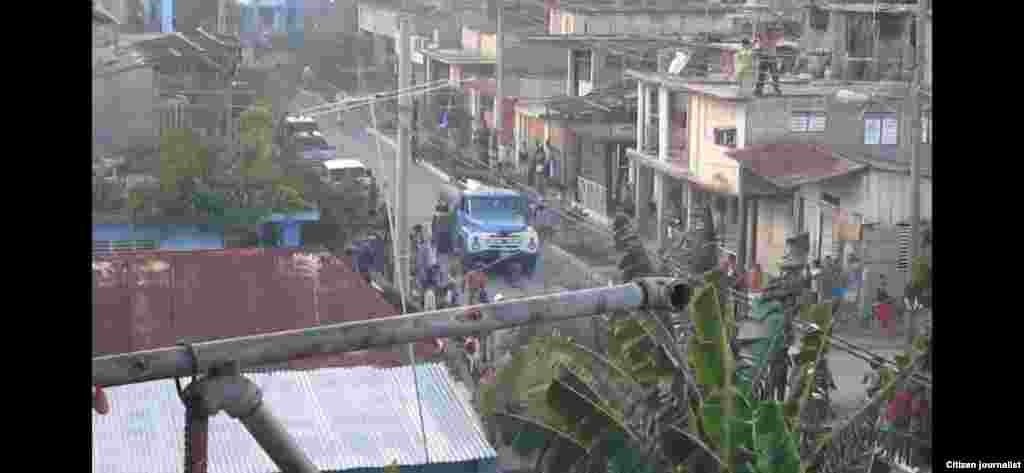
(661,399)
(184,163)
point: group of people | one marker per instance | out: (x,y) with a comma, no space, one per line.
(434,271)
(762,52)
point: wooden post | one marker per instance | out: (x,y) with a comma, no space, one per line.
(754,204)
(741,244)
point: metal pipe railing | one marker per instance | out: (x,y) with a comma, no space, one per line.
(278,347)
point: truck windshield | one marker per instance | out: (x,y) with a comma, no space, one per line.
(349,173)
(502,208)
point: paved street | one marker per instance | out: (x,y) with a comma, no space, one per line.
(424,186)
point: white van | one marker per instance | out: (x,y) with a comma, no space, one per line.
(338,171)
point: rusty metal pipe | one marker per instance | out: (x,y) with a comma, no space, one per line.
(645,293)
(242,399)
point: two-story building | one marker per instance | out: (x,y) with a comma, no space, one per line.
(860,40)
(821,155)
(529,72)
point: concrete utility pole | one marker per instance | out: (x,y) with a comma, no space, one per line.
(499,96)
(402,161)
(278,347)
(915,154)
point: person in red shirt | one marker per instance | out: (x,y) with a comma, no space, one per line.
(476,281)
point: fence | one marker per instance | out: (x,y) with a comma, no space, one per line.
(593,195)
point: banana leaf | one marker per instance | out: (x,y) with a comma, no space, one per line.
(813,348)
(588,417)
(710,353)
(776,447)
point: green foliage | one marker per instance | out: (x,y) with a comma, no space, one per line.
(183,161)
(772,314)
(392,468)
(814,347)
(569,391)
(710,352)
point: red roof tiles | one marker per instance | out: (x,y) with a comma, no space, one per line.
(148,300)
(792,164)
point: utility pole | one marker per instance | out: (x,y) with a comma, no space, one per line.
(915,155)
(402,160)
(499,96)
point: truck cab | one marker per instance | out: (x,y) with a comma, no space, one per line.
(492,223)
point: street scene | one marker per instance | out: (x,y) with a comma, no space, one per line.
(499,236)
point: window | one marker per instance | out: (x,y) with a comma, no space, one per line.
(881,129)
(926,129)
(725,137)
(807,122)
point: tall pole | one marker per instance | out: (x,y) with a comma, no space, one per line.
(499,96)
(915,155)
(402,161)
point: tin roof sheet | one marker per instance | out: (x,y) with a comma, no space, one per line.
(343,418)
(153,299)
(791,164)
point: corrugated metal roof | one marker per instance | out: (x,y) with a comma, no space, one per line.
(343,418)
(154,299)
(792,164)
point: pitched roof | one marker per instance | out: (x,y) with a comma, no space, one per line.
(343,419)
(788,165)
(147,300)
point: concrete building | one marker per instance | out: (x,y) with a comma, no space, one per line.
(861,40)
(723,126)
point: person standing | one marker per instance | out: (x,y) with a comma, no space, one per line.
(816,280)
(441,231)
(536,168)
(767,65)
(743,66)
(475,282)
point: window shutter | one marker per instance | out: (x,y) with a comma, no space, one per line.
(798,122)
(817,122)
(872,131)
(890,131)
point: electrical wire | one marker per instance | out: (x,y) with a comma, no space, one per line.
(402,277)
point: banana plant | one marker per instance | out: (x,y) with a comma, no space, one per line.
(813,380)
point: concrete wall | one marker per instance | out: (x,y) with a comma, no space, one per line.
(708,161)
(888,198)
(123,114)
(846,127)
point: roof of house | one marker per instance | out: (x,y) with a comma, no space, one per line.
(125,217)
(341,418)
(788,165)
(638,6)
(615,98)
(154,299)
(872,7)
(791,87)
